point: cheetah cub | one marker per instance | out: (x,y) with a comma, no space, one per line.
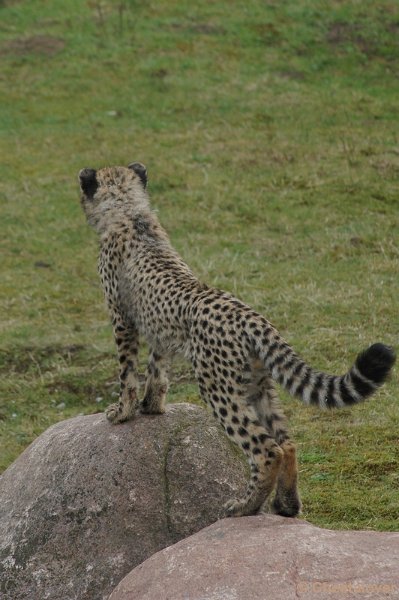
(236,354)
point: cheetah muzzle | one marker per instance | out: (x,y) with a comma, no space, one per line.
(237,355)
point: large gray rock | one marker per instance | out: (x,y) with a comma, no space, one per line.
(269,557)
(88,501)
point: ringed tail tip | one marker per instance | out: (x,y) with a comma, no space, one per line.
(376,362)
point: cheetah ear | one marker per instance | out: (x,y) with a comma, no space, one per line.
(88,182)
(141,171)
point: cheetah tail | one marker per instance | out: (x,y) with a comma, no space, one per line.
(369,372)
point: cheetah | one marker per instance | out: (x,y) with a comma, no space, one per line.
(236,354)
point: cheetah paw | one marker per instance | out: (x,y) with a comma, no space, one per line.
(234,508)
(115,414)
(146,410)
(289,508)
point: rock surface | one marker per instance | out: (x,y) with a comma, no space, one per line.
(88,501)
(269,557)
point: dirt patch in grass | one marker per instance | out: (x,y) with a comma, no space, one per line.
(370,44)
(44,45)
(23,359)
(268,34)
(159,73)
(292,74)
(76,387)
(393,28)
(4,3)
(202,28)
(340,34)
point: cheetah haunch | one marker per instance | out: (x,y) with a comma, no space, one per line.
(236,353)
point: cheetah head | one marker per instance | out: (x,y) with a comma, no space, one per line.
(112,189)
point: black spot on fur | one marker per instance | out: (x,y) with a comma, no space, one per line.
(362,387)
(330,397)
(142,225)
(303,384)
(346,394)
(315,395)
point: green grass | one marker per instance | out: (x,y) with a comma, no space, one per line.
(269,130)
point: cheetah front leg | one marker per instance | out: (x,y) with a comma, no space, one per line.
(156,385)
(127,341)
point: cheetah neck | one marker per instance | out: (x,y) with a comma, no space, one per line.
(111,216)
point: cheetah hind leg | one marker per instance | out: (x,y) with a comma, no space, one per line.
(265,461)
(287,501)
(267,406)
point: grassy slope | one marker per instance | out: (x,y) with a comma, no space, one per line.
(269,131)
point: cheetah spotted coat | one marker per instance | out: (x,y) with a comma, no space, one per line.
(236,354)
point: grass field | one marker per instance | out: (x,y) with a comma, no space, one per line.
(270,132)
